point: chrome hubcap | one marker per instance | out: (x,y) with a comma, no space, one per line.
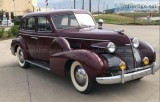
(81,76)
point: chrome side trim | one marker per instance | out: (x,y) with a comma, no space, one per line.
(85,39)
(128,77)
(37,64)
(99,47)
(128,44)
(67,37)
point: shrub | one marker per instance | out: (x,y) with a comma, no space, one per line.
(17,22)
(1,32)
(14,30)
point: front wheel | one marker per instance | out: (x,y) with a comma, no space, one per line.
(80,78)
(21,59)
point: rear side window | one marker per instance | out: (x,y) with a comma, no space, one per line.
(31,23)
(43,24)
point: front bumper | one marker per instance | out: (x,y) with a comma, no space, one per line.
(130,76)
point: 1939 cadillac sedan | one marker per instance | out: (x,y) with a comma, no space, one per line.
(68,42)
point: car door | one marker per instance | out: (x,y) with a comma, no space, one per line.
(29,35)
(69,22)
(45,37)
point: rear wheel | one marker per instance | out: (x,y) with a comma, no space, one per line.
(21,60)
(80,78)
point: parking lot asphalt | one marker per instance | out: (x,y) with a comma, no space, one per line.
(38,85)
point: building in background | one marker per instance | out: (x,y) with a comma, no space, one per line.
(108,11)
(17,8)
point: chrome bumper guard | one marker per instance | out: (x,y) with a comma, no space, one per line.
(130,76)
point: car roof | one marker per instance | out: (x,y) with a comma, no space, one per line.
(56,12)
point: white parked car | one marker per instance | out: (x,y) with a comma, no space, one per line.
(6,23)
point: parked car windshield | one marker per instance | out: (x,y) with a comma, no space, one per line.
(73,20)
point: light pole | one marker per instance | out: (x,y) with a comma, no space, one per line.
(74,4)
(90,5)
(46,4)
(82,4)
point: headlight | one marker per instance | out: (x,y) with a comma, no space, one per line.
(111,47)
(135,42)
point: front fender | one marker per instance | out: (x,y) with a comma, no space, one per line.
(91,62)
(147,50)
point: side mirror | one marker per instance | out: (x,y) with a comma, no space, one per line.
(100,23)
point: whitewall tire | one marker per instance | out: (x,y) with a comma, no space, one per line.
(80,78)
(21,60)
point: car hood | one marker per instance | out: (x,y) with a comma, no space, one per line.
(96,34)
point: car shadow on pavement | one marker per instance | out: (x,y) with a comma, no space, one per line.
(45,85)
(54,80)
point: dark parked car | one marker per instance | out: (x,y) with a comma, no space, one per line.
(69,43)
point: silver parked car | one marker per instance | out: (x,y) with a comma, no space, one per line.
(6,23)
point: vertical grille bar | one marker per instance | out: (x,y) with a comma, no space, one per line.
(125,52)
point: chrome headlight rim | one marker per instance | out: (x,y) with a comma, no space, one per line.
(111,47)
(135,42)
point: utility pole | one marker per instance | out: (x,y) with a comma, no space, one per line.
(90,5)
(98,6)
(82,4)
(74,4)
(104,4)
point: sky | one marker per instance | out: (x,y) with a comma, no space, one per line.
(68,4)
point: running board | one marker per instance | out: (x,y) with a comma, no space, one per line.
(39,64)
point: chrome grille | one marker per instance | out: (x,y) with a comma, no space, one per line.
(125,52)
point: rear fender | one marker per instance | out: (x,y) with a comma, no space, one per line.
(61,44)
(19,41)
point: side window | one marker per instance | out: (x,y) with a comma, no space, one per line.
(43,24)
(64,21)
(23,24)
(31,24)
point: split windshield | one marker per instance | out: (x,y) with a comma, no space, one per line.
(73,20)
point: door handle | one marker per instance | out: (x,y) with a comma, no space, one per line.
(34,38)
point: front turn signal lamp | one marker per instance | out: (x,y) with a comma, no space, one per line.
(123,66)
(146,61)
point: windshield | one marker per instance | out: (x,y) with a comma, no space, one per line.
(85,20)
(72,20)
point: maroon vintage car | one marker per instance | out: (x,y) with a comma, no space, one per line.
(68,43)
